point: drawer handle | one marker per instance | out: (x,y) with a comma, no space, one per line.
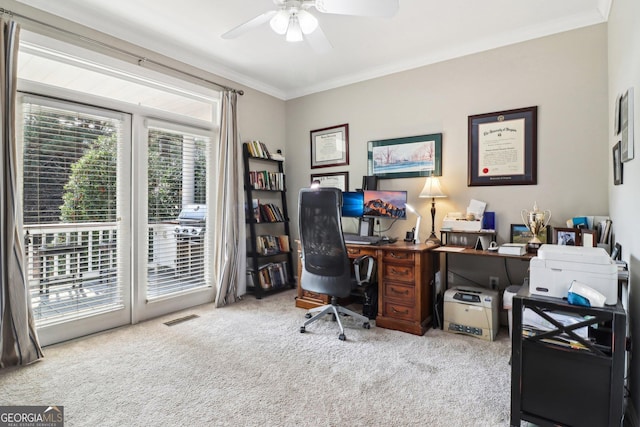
(399,255)
(394,271)
(395,291)
(395,310)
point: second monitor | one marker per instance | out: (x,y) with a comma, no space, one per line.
(385,204)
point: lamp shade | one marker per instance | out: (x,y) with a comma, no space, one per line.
(308,22)
(280,22)
(432,188)
(294,32)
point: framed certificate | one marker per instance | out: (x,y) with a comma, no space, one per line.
(336,179)
(330,146)
(503,148)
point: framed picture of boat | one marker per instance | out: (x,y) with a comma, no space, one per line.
(406,157)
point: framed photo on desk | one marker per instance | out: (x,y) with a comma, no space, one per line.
(566,236)
(521,234)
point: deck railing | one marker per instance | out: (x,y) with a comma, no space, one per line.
(68,253)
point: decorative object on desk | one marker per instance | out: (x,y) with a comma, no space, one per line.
(406,157)
(517,249)
(330,146)
(334,179)
(617,164)
(483,243)
(535,220)
(432,189)
(503,148)
(416,230)
(626,126)
(566,236)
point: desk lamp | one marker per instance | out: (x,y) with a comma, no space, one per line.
(432,189)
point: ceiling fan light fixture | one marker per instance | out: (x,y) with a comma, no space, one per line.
(308,22)
(280,22)
(294,32)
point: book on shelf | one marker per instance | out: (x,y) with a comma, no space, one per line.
(266,180)
(271,213)
(273,275)
(270,245)
(258,149)
(518,249)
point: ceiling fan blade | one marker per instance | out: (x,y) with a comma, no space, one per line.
(382,8)
(249,25)
(318,41)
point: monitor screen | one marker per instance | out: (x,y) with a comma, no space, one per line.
(352,204)
(385,204)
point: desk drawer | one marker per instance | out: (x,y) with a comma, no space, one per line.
(399,257)
(398,311)
(399,272)
(401,293)
(355,252)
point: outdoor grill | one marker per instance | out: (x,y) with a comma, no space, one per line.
(190,240)
(191,222)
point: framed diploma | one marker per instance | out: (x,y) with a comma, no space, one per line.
(330,146)
(336,179)
(503,148)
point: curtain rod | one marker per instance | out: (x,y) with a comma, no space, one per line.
(141,60)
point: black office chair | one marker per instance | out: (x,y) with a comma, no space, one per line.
(326,268)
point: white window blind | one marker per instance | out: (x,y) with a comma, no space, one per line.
(71,200)
(177,165)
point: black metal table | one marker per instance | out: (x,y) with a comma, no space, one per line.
(559,377)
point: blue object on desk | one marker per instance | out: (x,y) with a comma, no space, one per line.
(489,221)
(576,299)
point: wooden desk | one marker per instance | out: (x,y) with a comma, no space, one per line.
(405,272)
(442,253)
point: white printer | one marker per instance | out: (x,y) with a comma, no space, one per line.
(556,266)
(472,311)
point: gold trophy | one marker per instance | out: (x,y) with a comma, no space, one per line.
(536,221)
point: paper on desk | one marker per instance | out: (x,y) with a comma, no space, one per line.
(451,249)
(476,207)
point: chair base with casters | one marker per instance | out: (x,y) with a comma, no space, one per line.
(336,310)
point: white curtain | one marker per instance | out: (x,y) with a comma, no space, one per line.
(18,339)
(226,259)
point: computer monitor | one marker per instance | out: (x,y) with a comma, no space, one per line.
(385,204)
(352,204)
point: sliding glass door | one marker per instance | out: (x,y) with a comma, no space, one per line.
(174,216)
(76,216)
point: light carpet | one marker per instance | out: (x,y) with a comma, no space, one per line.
(248,365)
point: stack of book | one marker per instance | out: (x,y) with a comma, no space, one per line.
(517,249)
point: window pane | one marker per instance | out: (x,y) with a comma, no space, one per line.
(70,211)
(177,184)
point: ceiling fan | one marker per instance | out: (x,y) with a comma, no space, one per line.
(293,19)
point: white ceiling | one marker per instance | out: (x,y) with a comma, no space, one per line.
(422,32)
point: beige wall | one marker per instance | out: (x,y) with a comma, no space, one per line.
(624,204)
(564,75)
